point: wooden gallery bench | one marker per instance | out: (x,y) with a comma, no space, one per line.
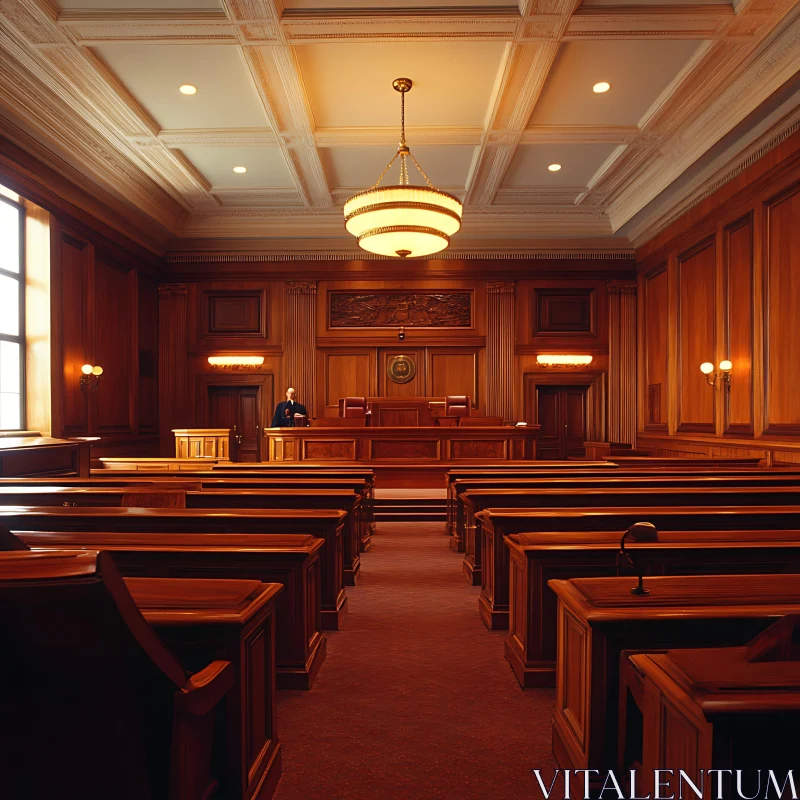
(493,560)
(536,558)
(598,618)
(120,717)
(596,479)
(322,524)
(361,481)
(675,491)
(292,560)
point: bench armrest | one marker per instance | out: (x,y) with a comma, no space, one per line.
(205,689)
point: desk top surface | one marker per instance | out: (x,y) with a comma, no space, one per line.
(189,601)
(685,596)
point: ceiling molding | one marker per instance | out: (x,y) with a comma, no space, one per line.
(711,180)
(73,104)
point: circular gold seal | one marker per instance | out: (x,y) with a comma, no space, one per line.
(401,369)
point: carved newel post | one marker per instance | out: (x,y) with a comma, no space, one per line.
(622,361)
(500,330)
(300,337)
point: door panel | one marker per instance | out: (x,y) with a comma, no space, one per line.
(238,409)
(574,421)
(561,413)
(549,433)
(248,424)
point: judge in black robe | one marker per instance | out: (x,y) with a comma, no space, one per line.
(285,411)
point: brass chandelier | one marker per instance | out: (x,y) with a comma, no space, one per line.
(402,220)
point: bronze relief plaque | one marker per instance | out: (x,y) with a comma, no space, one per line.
(392,309)
(401,369)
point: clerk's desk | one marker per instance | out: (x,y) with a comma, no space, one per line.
(404,456)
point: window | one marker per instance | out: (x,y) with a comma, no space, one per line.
(12,313)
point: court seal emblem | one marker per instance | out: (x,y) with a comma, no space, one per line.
(401,369)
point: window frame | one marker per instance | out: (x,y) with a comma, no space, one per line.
(20,338)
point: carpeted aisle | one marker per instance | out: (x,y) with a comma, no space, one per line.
(415,700)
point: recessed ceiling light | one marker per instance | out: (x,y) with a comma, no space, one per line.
(240,170)
(187,88)
(601,87)
(554,167)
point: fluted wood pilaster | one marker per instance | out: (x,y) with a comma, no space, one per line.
(300,352)
(500,331)
(622,362)
(175,408)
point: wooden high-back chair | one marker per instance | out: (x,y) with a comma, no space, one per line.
(94,705)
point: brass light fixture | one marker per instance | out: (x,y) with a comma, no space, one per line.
(563,361)
(90,377)
(724,374)
(402,220)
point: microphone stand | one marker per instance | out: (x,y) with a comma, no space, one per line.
(638,532)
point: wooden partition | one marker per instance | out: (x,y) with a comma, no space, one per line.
(720,283)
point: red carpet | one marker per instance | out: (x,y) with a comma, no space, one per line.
(415,700)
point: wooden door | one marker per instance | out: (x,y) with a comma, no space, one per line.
(238,409)
(561,413)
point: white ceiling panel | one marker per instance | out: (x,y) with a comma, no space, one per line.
(351,84)
(139,5)
(638,72)
(226,97)
(579,162)
(266,167)
(359,167)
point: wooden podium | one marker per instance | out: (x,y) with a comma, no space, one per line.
(202,443)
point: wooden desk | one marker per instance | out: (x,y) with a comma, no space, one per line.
(407,452)
(477,546)
(292,560)
(599,617)
(713,709)
(231,620)
(322,524)
(43,456)
(536,558)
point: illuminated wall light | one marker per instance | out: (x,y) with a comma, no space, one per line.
(90,379)
(600,88)
(548,360)
(187,88)
(240,170)
(235,362)
(554,167)
(724,374)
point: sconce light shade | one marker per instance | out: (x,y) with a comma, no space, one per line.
(725,366)
(706,368)
(90,379)
(549,360)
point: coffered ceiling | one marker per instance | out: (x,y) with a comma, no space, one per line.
(299,93)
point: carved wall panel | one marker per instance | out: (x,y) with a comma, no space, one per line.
(389,309)
(388,449)
(564,312)
(782,303)
(233,313)
(479,449)
(696,271)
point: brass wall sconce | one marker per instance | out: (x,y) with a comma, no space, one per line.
(724,374)
(90,377)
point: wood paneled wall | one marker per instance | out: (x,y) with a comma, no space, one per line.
(724,283)
(487,349)
(103,298)
(103,312)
